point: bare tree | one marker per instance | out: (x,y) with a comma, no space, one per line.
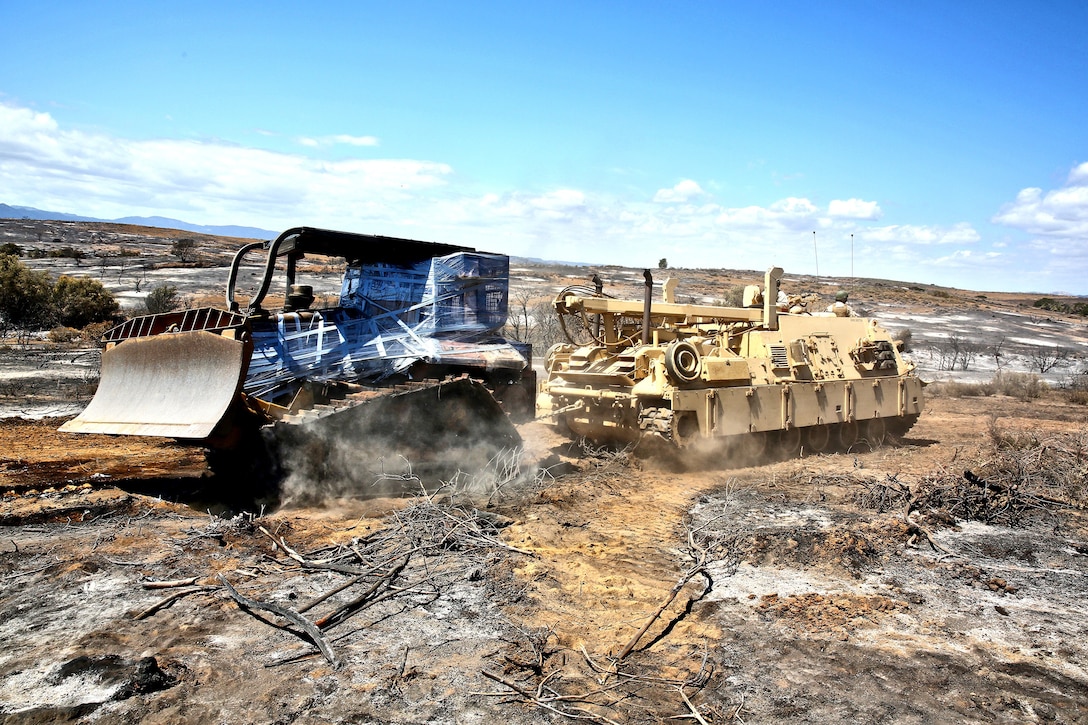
(968,352)
(956,352)
(519,321)
(997,352)
(533,320)
(121,270)
(140,277)
(546,330)
(1045,359)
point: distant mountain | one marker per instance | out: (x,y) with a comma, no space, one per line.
(229,230)
(25,212)
(538,260)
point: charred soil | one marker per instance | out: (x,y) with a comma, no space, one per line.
(586,583)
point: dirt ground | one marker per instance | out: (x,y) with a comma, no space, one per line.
(794,599)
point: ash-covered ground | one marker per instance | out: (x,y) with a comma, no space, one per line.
(831,588)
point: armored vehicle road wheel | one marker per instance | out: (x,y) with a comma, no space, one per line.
(685,428)
(818,438)
(875,432)
(848,434)
(789,441)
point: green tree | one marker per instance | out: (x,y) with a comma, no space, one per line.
(11,248)
(662,263)
(163,298)
(1049,303)
(80,301)
(184,249)
(26,297)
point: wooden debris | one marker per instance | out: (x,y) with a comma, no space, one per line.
(170,584)
(700,551)
(164,603)
(683,580)
(345,611)
(290,615)
(416,543)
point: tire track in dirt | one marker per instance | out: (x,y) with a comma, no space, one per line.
(608,549)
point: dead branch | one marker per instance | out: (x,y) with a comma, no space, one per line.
(292,658)
(128,563)
(18,574)
(307,563)
(700,553)
(699,680)
(694,710)
(345,611)
(331,593)
(294,617)
(349,583)
(170,584)
(545,702)
(688,576)
(166,602)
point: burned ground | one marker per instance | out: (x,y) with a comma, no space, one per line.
(832,588)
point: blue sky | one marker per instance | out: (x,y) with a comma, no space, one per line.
(950,139)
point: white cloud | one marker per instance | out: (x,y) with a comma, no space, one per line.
(792,213)
(685,191)
(962,233)
(340,138)
(854,209)
(559,204)
(1057,220)
(42,164)
(47,165)
(1079,174)
(355,140)
(560,200)
(1061,214)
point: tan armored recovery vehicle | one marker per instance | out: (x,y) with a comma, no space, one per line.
(652,371)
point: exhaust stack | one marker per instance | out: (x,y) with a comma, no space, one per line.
(647,304)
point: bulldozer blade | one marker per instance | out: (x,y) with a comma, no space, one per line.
(177,385)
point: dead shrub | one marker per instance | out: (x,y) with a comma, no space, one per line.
(1019,477)
(93,332)
(1025,386)
(63,335)
(958,389)
(1076,387)
(891,494)
(904,337)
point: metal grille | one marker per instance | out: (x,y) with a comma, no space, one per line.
(202,318)
(779,358)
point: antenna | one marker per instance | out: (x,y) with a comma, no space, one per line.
(851,256)
(816,254)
